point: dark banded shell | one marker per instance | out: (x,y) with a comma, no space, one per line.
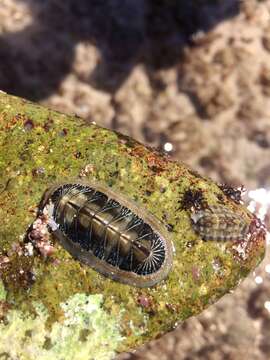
(220,224)
(110,233)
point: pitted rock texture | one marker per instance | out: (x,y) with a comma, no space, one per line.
(211,102)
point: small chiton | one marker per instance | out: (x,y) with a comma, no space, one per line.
(109,233)
(220,224)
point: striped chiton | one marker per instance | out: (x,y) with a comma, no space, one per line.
(110,233)
(219,223)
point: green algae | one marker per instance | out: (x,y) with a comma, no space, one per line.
(3,293)
(80,334)
(39,147)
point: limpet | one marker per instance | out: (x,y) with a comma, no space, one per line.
(108,232)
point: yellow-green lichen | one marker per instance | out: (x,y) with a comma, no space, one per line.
(3,293)
(86,331)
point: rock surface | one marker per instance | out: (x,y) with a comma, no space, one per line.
(40,147)
(153,104)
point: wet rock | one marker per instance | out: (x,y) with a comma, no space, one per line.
(50,285)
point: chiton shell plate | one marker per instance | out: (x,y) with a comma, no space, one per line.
(220,224)
(109,232)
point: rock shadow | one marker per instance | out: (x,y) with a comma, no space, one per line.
(35,60)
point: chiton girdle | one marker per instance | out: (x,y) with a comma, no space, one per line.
(109,232)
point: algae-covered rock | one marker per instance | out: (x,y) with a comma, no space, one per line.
(47,294)
(80,335)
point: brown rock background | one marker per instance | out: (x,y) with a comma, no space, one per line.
(192,77)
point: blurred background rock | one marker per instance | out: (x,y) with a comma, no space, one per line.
(189,77)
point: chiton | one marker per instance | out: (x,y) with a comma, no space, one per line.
(219,223)
(109,232)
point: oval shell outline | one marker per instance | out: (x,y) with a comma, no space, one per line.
(100,265)
(219,223)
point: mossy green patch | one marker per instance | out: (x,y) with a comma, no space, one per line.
(3,293)
(85,331)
